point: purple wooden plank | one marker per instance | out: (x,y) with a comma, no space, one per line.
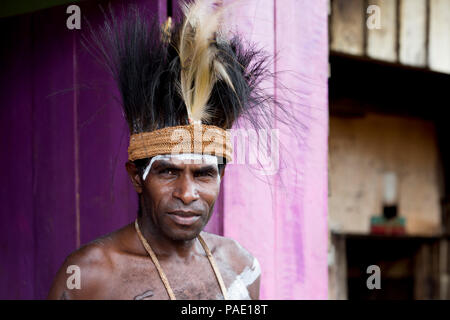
(53,145)
(54,132)
(16,169)
(176,9)
(107,199)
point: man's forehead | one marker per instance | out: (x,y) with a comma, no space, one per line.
(181,159)
(183,162)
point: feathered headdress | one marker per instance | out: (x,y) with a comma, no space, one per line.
(178,75)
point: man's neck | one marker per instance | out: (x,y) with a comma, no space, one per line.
(163,246)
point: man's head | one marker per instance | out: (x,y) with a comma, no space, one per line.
(177,196)
(174,80)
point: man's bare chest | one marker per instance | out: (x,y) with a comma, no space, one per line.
(138,279)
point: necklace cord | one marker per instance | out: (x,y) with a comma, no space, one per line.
(149,250)
(162,275)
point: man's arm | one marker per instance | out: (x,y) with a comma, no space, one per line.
(247,267)
(253,288)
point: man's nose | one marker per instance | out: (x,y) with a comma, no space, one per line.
(186,190)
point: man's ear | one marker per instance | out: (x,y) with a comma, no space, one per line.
(134,176)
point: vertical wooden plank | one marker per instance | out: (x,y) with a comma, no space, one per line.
(427,272)
(443,265)
(436,270)
(347,26)
(108,200)
(439,36)
(382,42)
(255,229)
(445,282)
(282,219)
(53,145)
(176,9)
(412,39)
(301,206)
(41,102)
(17,238)
(422,270)
(337,268)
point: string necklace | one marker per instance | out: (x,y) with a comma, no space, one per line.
(162,275)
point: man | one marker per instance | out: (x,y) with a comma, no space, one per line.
(182,87)
(177,200)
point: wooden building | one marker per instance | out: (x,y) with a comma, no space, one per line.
(389,159)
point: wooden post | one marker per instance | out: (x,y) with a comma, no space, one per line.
(439,36)
(382,43)
(347,23)
(413,19)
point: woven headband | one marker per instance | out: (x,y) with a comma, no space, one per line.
(193,138)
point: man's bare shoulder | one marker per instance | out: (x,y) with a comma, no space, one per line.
(229,250)
(232,254)
(94,262)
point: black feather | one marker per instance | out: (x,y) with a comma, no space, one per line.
(147,70)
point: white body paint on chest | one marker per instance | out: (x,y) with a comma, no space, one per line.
(238,288)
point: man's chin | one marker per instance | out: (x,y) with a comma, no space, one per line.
(184,235)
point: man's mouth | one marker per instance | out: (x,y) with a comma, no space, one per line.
(185,218)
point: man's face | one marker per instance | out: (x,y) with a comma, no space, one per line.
(179,196)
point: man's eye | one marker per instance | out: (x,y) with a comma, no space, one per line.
(205,174)
(167,172)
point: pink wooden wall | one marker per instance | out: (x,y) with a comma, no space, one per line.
(283,221)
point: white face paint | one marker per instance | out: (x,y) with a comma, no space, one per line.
(238,289)
(197,158)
